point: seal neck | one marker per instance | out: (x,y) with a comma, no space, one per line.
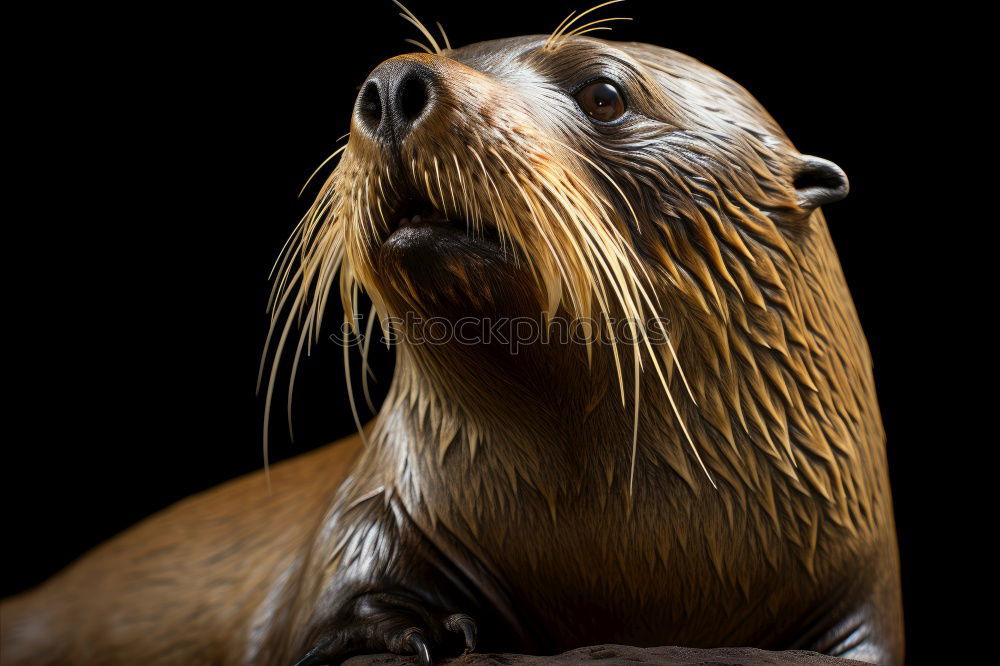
(503,378)
(491,406)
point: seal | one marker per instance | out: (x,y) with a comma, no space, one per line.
(699,462)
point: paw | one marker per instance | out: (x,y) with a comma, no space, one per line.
(386,622)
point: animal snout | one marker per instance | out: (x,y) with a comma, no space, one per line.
(398,94)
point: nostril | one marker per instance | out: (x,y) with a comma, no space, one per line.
(391,102)
(413,97)
(370,106)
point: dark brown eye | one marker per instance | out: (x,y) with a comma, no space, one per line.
(602,101)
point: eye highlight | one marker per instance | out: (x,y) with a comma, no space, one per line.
(602,101)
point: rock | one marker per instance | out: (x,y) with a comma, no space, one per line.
(624,654)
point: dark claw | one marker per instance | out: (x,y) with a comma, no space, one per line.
(462,623)
(417,643)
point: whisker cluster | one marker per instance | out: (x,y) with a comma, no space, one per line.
(565,29)
(546,217)
(434,48)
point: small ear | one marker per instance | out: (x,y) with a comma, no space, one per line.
(818,182)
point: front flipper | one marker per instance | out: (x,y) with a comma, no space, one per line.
(397,623)
(385,583)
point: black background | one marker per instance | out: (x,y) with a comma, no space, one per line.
(160,177)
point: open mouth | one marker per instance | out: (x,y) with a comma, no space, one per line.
(418,216)
(415,212)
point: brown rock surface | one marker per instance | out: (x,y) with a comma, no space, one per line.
(623,654)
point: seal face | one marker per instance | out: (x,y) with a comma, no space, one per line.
(723,484)
(509,141)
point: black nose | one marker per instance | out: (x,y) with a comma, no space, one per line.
(394,98)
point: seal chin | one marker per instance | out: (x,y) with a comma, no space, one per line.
(443,265)
(426,237)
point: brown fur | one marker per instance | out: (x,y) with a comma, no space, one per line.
(192,584)
(753,507)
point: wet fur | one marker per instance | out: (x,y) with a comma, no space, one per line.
(506,486)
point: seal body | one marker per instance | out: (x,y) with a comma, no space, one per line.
(721,484)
